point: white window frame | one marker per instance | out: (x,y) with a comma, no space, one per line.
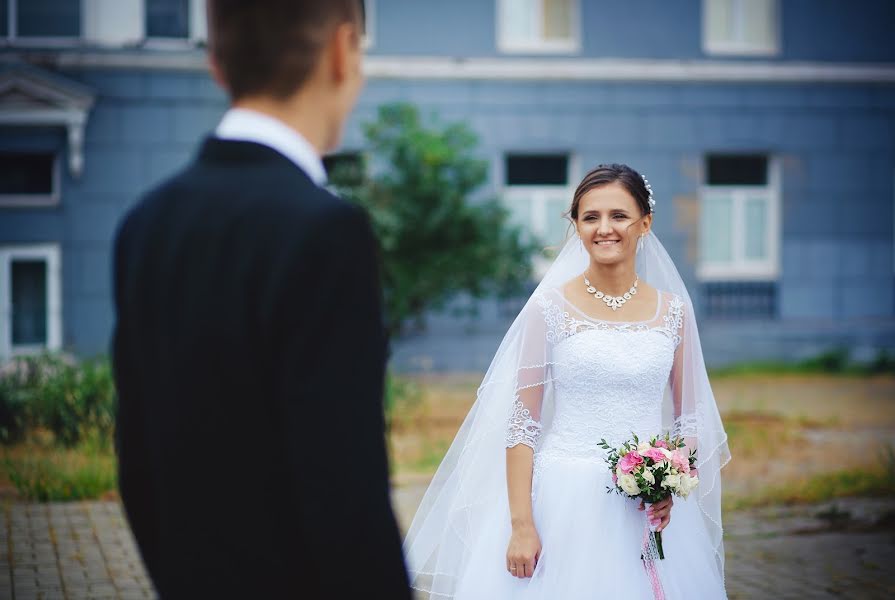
(740,46)
(738,268)
(36,200)
(51,254)
(538,197)
(509,45)
(369,38)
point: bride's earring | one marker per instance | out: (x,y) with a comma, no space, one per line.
(640,243)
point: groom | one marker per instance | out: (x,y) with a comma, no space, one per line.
(248,347)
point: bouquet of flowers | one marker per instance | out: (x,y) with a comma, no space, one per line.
(652,471)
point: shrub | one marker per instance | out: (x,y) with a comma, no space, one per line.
(50,391)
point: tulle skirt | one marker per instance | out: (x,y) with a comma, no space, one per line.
(591,545)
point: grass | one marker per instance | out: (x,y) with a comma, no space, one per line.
(39,470)
(794,437)
(834,362)
(874,482)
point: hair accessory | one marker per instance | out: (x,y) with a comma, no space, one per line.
(649,189)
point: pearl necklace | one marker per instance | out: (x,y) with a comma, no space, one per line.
(613,302)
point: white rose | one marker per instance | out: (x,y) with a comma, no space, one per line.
(672,481)
(688,482)
(619,472)
(629,485)
(666,452)
(643,447)
(648,476)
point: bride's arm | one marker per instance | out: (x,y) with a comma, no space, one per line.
(524,428)
(521,438)
(525,545)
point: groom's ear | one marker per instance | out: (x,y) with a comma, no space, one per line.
(344,52)
(217,73)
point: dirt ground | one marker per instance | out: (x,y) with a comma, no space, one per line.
(782,428)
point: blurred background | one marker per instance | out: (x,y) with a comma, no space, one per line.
(765,127)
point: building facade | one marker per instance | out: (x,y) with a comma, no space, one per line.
(766,128)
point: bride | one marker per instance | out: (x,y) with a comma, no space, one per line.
(607,345)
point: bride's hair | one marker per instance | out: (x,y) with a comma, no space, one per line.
(606,174)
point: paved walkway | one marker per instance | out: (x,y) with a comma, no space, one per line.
(85,551)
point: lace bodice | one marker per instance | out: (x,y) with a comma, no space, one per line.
(608,379)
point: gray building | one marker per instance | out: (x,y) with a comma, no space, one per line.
(766,128)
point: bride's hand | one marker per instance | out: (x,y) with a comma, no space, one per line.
(660,510)
(524,551)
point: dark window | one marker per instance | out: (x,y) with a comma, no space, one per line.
(47,18)
(345,168)
(537,169)
(4,18)
(29,302)
(740,299)
(743,169)
(26,174)
(168,18)
(363,16)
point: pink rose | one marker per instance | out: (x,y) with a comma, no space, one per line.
(680,462)
(655,454)
(630,461)
(661,444)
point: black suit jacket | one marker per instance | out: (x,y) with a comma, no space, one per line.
(249,354)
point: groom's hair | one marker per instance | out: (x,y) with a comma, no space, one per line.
(270,47)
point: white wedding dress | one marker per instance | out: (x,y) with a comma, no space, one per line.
(559,382)
(608,379)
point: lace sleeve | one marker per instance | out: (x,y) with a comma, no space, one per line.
(522,428)
(524,416)
(683,410)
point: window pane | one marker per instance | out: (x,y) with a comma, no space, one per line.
(520,20)
(742,169)
(521,210)
(537,169)
(4,21)
(759,23)
(557,19)
(756,228)
(740,299)
(344,168)
(23,174)
(29,302)
(167,18)
(557,224)
(716,228)
(49,18)
(720,20)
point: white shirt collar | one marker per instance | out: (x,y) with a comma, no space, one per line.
(252,126)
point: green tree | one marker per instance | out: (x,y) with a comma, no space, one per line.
(435,242)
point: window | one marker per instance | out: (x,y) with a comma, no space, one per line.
(539,26)
(537,192)
(30,300)
(740,299)
(167,18)
(345,169)
(40,18)
(741,27)
(28,179)
(739,219)
(175,20)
